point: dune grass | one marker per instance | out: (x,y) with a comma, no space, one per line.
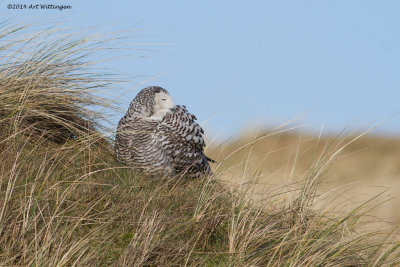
(64,201)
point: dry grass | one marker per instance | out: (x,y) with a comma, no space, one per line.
(365,167)
(65,202)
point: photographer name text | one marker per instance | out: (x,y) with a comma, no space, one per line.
(39,7)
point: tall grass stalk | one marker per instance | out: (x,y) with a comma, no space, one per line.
(65,202)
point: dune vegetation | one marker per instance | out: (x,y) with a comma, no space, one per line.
(64,201)
(366,166)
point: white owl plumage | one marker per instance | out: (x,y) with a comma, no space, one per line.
(159,137)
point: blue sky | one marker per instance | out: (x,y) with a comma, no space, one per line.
(236,64)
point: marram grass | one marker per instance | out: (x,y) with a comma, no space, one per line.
(64,201)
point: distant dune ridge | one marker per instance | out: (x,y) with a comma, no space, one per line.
(363,169)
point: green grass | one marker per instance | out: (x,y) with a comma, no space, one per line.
(64,201)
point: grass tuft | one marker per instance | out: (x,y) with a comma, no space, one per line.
(65,202)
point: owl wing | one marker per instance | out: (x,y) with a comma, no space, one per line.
(182,139)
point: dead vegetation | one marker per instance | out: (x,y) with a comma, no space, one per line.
(65,202)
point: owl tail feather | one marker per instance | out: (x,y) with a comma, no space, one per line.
(210,160)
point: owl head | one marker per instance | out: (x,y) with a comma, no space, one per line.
(152,102)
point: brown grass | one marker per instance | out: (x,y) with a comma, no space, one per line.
(364,168)
(65,202)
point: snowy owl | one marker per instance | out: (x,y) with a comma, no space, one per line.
(159,137)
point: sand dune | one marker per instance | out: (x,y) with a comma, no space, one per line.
(364,168)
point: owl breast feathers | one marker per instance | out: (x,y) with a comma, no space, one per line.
(160,137)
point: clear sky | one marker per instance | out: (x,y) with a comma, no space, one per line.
(237,63)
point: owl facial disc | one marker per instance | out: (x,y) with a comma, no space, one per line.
(163,105)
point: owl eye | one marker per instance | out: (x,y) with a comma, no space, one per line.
(163,99)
